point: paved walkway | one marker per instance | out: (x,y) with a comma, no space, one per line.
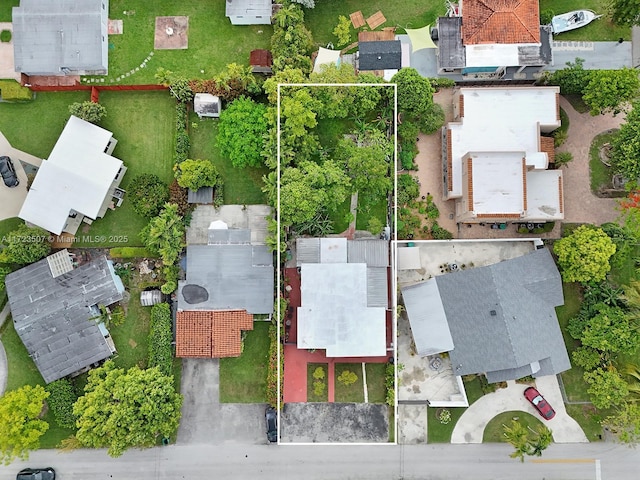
(3,356)
(471,425)
(6,55)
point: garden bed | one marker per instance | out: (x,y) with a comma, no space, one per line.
(349,386)
(317,386)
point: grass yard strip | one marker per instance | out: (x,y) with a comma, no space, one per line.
(5,9)
(601,175)
(242,186)
(349,393)
(243,379)
(143,123)
(213,41)
(376,210)
(494,429)
(401,14)
(438,432)
(589,418)
(35,126)
(376,388)
(601,29)
(317,394)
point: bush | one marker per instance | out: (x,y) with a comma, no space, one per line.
(562,158)
(12,91)
(62,396)
(25,245)
(439,233)
(5,36)
(272,370)
(148,194)
(546,15)
(390,384)
(88,111)
(438,83)
(183,146)
(129,252)
(432,209)
(160,339)
(179,196)
(375,226)
(347,378)
(586,357)
(318,373)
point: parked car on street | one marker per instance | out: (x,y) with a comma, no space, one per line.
(539,403)
(8,172)
(47,473)
(271,418)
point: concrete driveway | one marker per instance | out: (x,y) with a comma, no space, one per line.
(11,199)
(471,425)
(7,69)
(207,421)
(334,422)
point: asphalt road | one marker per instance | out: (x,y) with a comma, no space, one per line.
(316,462)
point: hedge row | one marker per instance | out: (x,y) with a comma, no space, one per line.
(62,396)
(160,339)
(183,143)
(272,370)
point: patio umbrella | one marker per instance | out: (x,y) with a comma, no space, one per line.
(420,38)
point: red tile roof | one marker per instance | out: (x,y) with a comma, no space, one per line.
(211,334)
(500,21)
(260,58)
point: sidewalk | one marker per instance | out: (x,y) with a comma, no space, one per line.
(471,425)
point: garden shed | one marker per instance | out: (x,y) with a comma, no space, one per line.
(206,105)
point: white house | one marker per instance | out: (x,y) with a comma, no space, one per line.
(78,182)
(495,161)
(249,12)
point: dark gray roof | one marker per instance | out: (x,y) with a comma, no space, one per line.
(502,318)
(202,195)
(236,276)
(61,37)
(535,55)
(52,315)
(450,49)
(380,55)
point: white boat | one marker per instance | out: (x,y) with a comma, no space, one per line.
(572,20)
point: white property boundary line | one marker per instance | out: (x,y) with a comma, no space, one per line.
(392,246)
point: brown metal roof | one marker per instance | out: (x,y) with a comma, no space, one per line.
(260,58)
(211,334)
(500,21)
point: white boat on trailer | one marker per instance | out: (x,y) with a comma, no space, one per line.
(572,20)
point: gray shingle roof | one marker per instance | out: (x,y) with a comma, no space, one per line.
(380,55)
(236,276)
(61,37)
(502,318)
(53,318)
(248,8)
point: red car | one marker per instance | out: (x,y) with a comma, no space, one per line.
(540,404)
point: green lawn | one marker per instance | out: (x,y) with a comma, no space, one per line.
(599,30)
(242,186)
(143,123)
(402,13)
(353,392)
(212,41)
(5,9)
(243,379)
(600,173)
(7,226)
(376,388)
(589,419)
(34,127)
(377,210)
(322,396)
(494,429)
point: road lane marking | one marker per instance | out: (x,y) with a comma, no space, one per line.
(598,472)
(565,460)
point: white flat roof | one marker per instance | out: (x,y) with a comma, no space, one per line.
(498,119)
(544,195)
(498,182)
(77,176)
(495,54)
(334,313)
(409,258)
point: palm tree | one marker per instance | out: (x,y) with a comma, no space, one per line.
(543,439)
(518,436)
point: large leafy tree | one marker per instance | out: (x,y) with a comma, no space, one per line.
(123,409)
(287,75)
(607,388)
(20,427)
(610,90)
(625,422)
(148,194)
(26,245)
(625,12)
(311,188)
(366,162)
(291,42)
(625,157)
(241,131)
(164,234)
(195,174)
(415,92)
(583,256)
(611,331)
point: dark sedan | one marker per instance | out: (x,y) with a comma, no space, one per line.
(271,418)
(47,473)
(8,172)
